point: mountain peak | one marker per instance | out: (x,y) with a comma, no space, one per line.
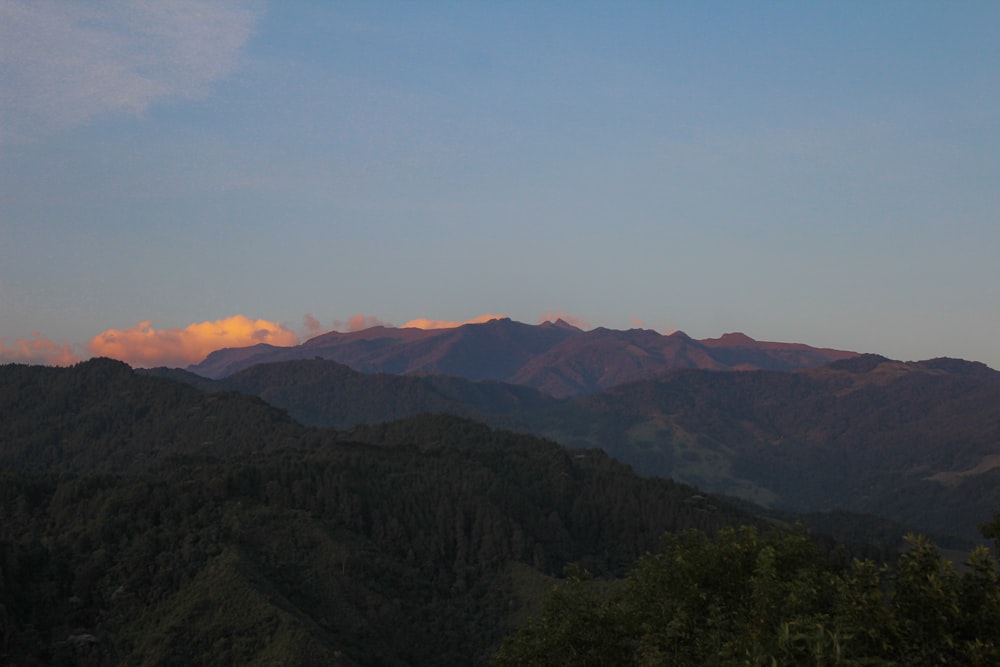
(736,338)
(496,321)
(560,323)
(732,339)
(959,367)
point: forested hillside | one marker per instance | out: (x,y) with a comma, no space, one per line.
(100,416)
(916,442)
(324,393)
(144,522)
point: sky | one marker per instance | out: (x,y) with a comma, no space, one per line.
(179,176)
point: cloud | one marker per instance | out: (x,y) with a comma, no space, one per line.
(67,62)
(423,323)
(142,345)
(637,323)
(312,325)
(360,322)
(577,322)
(38,350)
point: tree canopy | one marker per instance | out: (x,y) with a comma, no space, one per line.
(746,597)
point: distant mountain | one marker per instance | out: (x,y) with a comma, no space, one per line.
(325,393)
(554,357)
(918,442)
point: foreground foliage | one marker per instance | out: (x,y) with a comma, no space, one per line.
(752,598)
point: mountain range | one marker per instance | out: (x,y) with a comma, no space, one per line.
(785,426)
(554,357)
(164,517)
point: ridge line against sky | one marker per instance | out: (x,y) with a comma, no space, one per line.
(145,346)
(822,173)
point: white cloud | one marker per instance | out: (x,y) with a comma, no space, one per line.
(63,63)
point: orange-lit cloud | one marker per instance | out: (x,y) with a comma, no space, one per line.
(38,350)
(578,322)
(423,323)
(637,323)
(142,345)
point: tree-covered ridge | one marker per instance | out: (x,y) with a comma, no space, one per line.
(751,598)
(325,393)
(101,415)
(242,537)
(403,549)
(915,442)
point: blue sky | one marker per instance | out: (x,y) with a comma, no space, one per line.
(824,173)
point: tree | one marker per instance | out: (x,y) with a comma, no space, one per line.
(774,598)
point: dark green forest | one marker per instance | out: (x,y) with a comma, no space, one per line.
(144,522)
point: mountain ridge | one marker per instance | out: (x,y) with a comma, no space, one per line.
(917,442)
(556,358)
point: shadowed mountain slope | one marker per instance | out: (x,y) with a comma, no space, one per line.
(318,392)
(918,442)
(325,393)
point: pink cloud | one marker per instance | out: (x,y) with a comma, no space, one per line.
(423,323)
(142,345)
(637,323)
(312,325)
(38,350)
(360,322)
